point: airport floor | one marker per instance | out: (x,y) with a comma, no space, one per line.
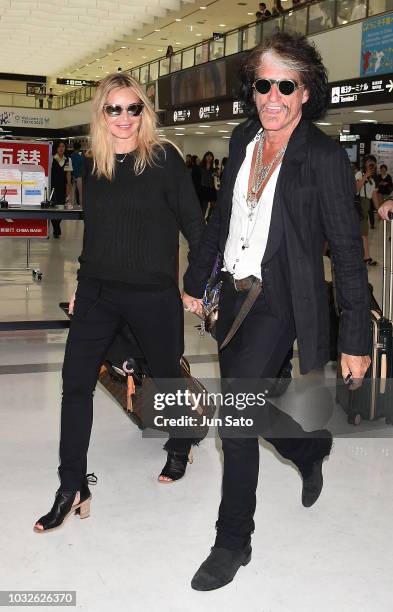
(143,541)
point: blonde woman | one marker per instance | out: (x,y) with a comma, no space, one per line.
(137,195)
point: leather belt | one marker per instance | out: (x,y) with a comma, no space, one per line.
(242,284)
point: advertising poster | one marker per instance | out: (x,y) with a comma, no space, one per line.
(11,184)
(33,159)
(383,151)
(33,185)
(377,46)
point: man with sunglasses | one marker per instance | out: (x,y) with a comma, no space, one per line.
(275,211)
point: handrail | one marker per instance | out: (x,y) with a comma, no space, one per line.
(309,18)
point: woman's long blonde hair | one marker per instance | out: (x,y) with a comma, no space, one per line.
(149,141)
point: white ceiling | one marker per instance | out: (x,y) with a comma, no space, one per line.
(89,38)
(193,22)
(47,36)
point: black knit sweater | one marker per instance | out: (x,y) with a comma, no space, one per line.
(132,223)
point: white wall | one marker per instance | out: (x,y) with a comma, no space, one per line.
(340,51)
(36,117)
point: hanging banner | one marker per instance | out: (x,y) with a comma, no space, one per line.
(377,46)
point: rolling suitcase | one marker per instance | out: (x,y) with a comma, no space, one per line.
(374,399)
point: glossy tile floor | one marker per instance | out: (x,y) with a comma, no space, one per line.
(143,542)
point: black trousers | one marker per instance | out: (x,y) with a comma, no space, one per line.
(258,350)
(56,227)
(101,309)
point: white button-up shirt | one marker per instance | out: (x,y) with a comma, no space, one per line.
(246,262)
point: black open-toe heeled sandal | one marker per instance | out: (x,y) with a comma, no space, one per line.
(64,506)
(175,466)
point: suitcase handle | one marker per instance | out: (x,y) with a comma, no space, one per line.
(387,299)
(384,369)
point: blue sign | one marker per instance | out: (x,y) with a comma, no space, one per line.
(377,46)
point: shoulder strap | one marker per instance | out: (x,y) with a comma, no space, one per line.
(252,295)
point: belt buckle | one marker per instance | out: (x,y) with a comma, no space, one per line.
(234,284)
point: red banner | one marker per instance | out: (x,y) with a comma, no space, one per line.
(24,228)
(16,152)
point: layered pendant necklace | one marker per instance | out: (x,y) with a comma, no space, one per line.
(260,174)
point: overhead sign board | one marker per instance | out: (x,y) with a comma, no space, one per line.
(76,82)
(227,109)
(362,91)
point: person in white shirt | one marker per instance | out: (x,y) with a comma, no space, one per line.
(274,212)
(367,190)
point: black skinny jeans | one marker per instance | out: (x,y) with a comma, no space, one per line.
(257,351)
(155,317)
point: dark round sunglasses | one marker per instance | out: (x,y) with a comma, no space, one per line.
(286,87)
(115,110)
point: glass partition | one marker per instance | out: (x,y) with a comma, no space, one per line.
(176,62)
(216,49)
(321,16)
(153,71)
(164,66)
(296,21)
(270,27)
(188,58)
(249,36)
(350,10)
(232,43)
(202,53)
(375,7)
(144,76)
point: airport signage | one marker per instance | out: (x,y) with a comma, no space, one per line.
(365,91)
(227,109)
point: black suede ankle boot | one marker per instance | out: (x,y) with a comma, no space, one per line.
(220,568)
(311,468)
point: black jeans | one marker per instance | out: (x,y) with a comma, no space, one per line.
(258,350)
(101,308)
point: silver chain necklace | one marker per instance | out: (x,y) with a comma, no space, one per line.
(261,172)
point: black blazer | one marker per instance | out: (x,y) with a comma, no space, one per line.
(314,201)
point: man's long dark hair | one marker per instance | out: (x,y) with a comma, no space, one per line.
(294,50)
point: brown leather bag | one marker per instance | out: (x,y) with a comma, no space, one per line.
(135,394)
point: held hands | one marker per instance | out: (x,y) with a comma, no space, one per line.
(385,209)
(353,368)
(192,304)
(71,303)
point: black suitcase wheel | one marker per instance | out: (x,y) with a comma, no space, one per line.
(389,421)
(354,419)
